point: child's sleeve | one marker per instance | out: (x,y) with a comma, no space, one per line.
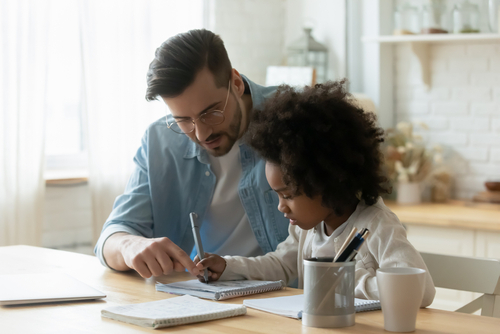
(388,247)
(278,265)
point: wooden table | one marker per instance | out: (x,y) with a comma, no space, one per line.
(126,288)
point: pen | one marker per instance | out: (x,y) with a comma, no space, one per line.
(197,240)
(353,245)
(355,251)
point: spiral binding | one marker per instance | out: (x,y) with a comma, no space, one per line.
(249,290)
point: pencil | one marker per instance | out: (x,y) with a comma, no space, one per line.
(346,242)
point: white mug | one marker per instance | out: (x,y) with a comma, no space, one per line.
(401,291)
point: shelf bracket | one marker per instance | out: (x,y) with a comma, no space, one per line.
(421,51)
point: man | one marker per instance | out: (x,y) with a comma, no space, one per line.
(194,161)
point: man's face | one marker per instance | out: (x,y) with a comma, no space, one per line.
(203,96)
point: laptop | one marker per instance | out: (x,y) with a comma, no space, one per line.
(44,288)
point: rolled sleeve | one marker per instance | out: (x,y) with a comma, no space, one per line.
(109,231)
(132,211)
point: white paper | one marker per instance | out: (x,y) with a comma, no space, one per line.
(185,306)
(291,306)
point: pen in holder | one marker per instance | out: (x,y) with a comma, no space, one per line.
(329,293)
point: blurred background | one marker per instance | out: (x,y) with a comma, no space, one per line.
(73,80)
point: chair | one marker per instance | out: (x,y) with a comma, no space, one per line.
(468,274)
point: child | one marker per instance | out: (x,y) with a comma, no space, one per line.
(323,160)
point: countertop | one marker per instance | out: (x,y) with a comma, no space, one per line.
(454,213)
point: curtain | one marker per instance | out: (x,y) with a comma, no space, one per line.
(119,38)
(23,67)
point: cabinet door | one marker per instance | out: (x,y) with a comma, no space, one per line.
(441,240)
(488,244)
(448,241)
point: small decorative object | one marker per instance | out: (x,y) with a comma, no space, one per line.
(306,51)
(491,195)
(466,18)
(409,193)
(440,177)
(434,18)
(405,20)
(408,162)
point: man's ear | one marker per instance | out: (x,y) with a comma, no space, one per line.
(237,83)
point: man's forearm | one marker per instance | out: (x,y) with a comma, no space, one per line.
(112,251)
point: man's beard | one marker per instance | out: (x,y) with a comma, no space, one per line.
(232,136)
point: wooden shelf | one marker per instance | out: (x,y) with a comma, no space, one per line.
(58,177)
(419,45)
(433,38)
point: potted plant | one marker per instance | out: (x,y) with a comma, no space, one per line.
(408,162)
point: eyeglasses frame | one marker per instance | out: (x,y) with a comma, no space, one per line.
(204,114)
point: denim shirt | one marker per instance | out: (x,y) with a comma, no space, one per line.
(172,177)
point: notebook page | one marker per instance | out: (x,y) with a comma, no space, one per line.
(291,306)
(172,311)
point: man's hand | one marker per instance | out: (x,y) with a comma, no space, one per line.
(148,256)
(215,265)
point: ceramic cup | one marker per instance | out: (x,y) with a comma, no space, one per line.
(401,291)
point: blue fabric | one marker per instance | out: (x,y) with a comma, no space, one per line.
(172,178)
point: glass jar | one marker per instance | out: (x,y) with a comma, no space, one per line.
(406,20)
(466,18)
(434,18)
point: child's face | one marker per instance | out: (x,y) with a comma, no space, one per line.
(303,211)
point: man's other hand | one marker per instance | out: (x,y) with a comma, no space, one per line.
(148,256)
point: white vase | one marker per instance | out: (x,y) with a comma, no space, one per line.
(409,193)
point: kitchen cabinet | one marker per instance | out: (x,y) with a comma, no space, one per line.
(454,228)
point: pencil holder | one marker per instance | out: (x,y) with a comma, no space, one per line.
(328,292)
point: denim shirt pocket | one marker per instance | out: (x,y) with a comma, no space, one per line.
(276,218)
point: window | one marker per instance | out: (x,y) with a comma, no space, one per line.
(64,138)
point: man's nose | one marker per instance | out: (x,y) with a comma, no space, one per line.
(202,130)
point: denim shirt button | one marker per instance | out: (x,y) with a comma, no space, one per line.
(207,173)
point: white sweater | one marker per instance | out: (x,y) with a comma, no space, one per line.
(387,246)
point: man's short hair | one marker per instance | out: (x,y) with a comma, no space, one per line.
(181,57)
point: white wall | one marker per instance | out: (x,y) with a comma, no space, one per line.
(462,108)
(257,32)
(327,18)
(253,33)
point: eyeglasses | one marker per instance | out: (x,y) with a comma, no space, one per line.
(213,117)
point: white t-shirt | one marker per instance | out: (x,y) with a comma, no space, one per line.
(322,244)
(226,229)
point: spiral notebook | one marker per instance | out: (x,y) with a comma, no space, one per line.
(291,306)
(172,312)
(220,290)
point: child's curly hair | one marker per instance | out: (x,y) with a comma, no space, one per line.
(324,144)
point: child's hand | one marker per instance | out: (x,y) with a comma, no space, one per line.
(215,265)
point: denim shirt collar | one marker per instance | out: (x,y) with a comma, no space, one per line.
(194,150)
